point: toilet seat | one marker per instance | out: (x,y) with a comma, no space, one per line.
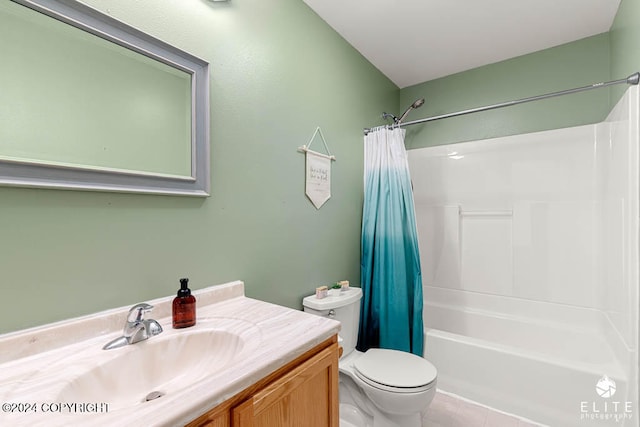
(395,371)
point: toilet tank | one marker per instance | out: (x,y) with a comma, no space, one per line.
(343,306)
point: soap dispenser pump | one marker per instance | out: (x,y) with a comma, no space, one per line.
(184,307)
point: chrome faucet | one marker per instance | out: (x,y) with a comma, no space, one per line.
(137,328)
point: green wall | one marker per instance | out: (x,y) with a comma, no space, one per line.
(277,72)
(625,44)
(563,67)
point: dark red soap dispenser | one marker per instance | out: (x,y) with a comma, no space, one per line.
(184,307)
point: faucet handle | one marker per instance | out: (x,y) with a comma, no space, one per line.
(136,313)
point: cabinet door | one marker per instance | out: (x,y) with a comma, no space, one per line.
(214,419)
(307,396)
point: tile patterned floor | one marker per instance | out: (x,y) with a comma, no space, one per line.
(449,411)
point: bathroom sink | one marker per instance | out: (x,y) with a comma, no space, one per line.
(149,370)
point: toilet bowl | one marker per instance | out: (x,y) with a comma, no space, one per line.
(392,387)
(380,387)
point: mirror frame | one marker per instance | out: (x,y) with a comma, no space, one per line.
(72,177)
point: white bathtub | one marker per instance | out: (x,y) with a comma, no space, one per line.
(537,360)
(529,254)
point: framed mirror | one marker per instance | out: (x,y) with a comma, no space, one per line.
(88,102)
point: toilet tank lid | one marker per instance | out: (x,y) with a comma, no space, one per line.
(336,298)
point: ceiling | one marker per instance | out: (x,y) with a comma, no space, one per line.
(413,41)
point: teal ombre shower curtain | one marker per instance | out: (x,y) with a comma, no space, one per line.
(391,315)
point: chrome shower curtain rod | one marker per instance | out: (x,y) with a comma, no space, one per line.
(633,79)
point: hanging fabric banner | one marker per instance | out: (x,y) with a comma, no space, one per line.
(318,173)
(318,182)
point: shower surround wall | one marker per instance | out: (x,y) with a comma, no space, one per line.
(529,252)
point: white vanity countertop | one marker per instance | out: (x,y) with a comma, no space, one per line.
(34,367)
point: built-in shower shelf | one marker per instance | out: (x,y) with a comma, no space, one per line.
(508,213)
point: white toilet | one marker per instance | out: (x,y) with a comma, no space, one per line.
(380,387)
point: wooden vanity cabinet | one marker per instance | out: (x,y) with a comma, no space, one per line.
(303,393)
